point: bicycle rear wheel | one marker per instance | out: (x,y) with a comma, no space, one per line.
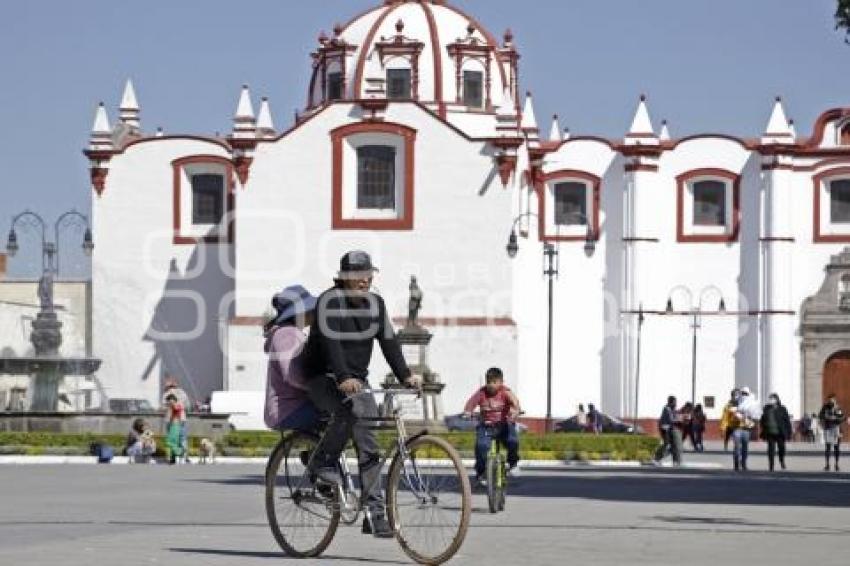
(429,500)
(303,519)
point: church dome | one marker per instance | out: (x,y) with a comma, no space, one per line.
(424,50)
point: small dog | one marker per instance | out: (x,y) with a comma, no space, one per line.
(207,451)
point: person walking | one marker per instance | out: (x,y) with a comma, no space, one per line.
(776,429)
(172,387)
(727,416)
(175,418)
(668,426)
(831,417)
(349,319)
(747,414)
(698,428)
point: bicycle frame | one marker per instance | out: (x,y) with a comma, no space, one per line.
(351,507)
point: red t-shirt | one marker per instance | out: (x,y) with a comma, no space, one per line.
(495,408)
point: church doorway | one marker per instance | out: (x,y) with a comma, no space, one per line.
(836,380)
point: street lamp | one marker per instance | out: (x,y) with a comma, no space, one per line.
(551,268)
(49,249)
(696,312)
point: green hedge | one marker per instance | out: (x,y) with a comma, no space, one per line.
(259,444)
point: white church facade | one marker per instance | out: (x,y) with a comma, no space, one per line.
(417,145)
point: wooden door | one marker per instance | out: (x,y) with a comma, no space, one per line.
(836,380)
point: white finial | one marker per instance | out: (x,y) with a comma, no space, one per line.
(529,120)
(101,132)
(245,109)
(265,124)
(244,124)
(641,123)
(555,132)
(159,132)
(792,128)
(129,108)
(101,121)
(566,133)
(777,130)
(665,131)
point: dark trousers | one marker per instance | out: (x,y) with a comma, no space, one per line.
(833,449)
(486,434)
(344,425)
(672,444)
(696,437)
(775,446)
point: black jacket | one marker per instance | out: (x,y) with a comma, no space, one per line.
(341,338)
(775,421)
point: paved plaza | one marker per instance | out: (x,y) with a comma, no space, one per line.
(85,514)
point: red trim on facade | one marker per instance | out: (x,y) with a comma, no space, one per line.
(745,143)
(217,141)
(824,163)
(436,50)
(98,179)
(177,167)
(564,175)
(681,182)
(338,222)
(463,321)
(632,167)
(819,128)
(487,35)
(366,48)
(817,180)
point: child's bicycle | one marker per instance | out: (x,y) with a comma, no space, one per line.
(496,473)
(429,499)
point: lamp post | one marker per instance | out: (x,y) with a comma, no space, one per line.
(640,321)
(46,337)
(551,269)
(696,313)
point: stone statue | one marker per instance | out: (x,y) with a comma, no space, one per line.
(45,291)
(414,304)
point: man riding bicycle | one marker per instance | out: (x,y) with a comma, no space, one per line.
(499,408)
(348,320)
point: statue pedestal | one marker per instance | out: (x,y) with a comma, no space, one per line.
(415,341)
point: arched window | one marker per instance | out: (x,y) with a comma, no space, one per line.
(203,199)
(373,176)
(707,205)
(569,206)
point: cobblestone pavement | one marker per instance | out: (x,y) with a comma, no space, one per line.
(85,515)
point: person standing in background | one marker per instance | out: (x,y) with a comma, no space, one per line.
(747,414)
(581,418)
(832,417)
(727,417)
(698,428)
(172,387)
(668,426)
(776,429)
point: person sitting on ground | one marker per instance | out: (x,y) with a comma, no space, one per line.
(498,408)
(581,418)
(141,445)
(175,418)
(287,404)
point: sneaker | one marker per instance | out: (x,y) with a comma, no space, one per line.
(377,526)
(481,481)
(514,472)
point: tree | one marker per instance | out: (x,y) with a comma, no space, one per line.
(842,18)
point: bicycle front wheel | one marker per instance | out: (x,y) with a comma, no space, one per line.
(302,517)
(495,483)
(429,500)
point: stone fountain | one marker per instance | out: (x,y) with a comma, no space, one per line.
(47,368)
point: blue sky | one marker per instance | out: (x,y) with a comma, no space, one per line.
(707,66)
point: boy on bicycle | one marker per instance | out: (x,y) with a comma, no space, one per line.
(498,407)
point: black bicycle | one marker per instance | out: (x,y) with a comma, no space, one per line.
(428,495)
